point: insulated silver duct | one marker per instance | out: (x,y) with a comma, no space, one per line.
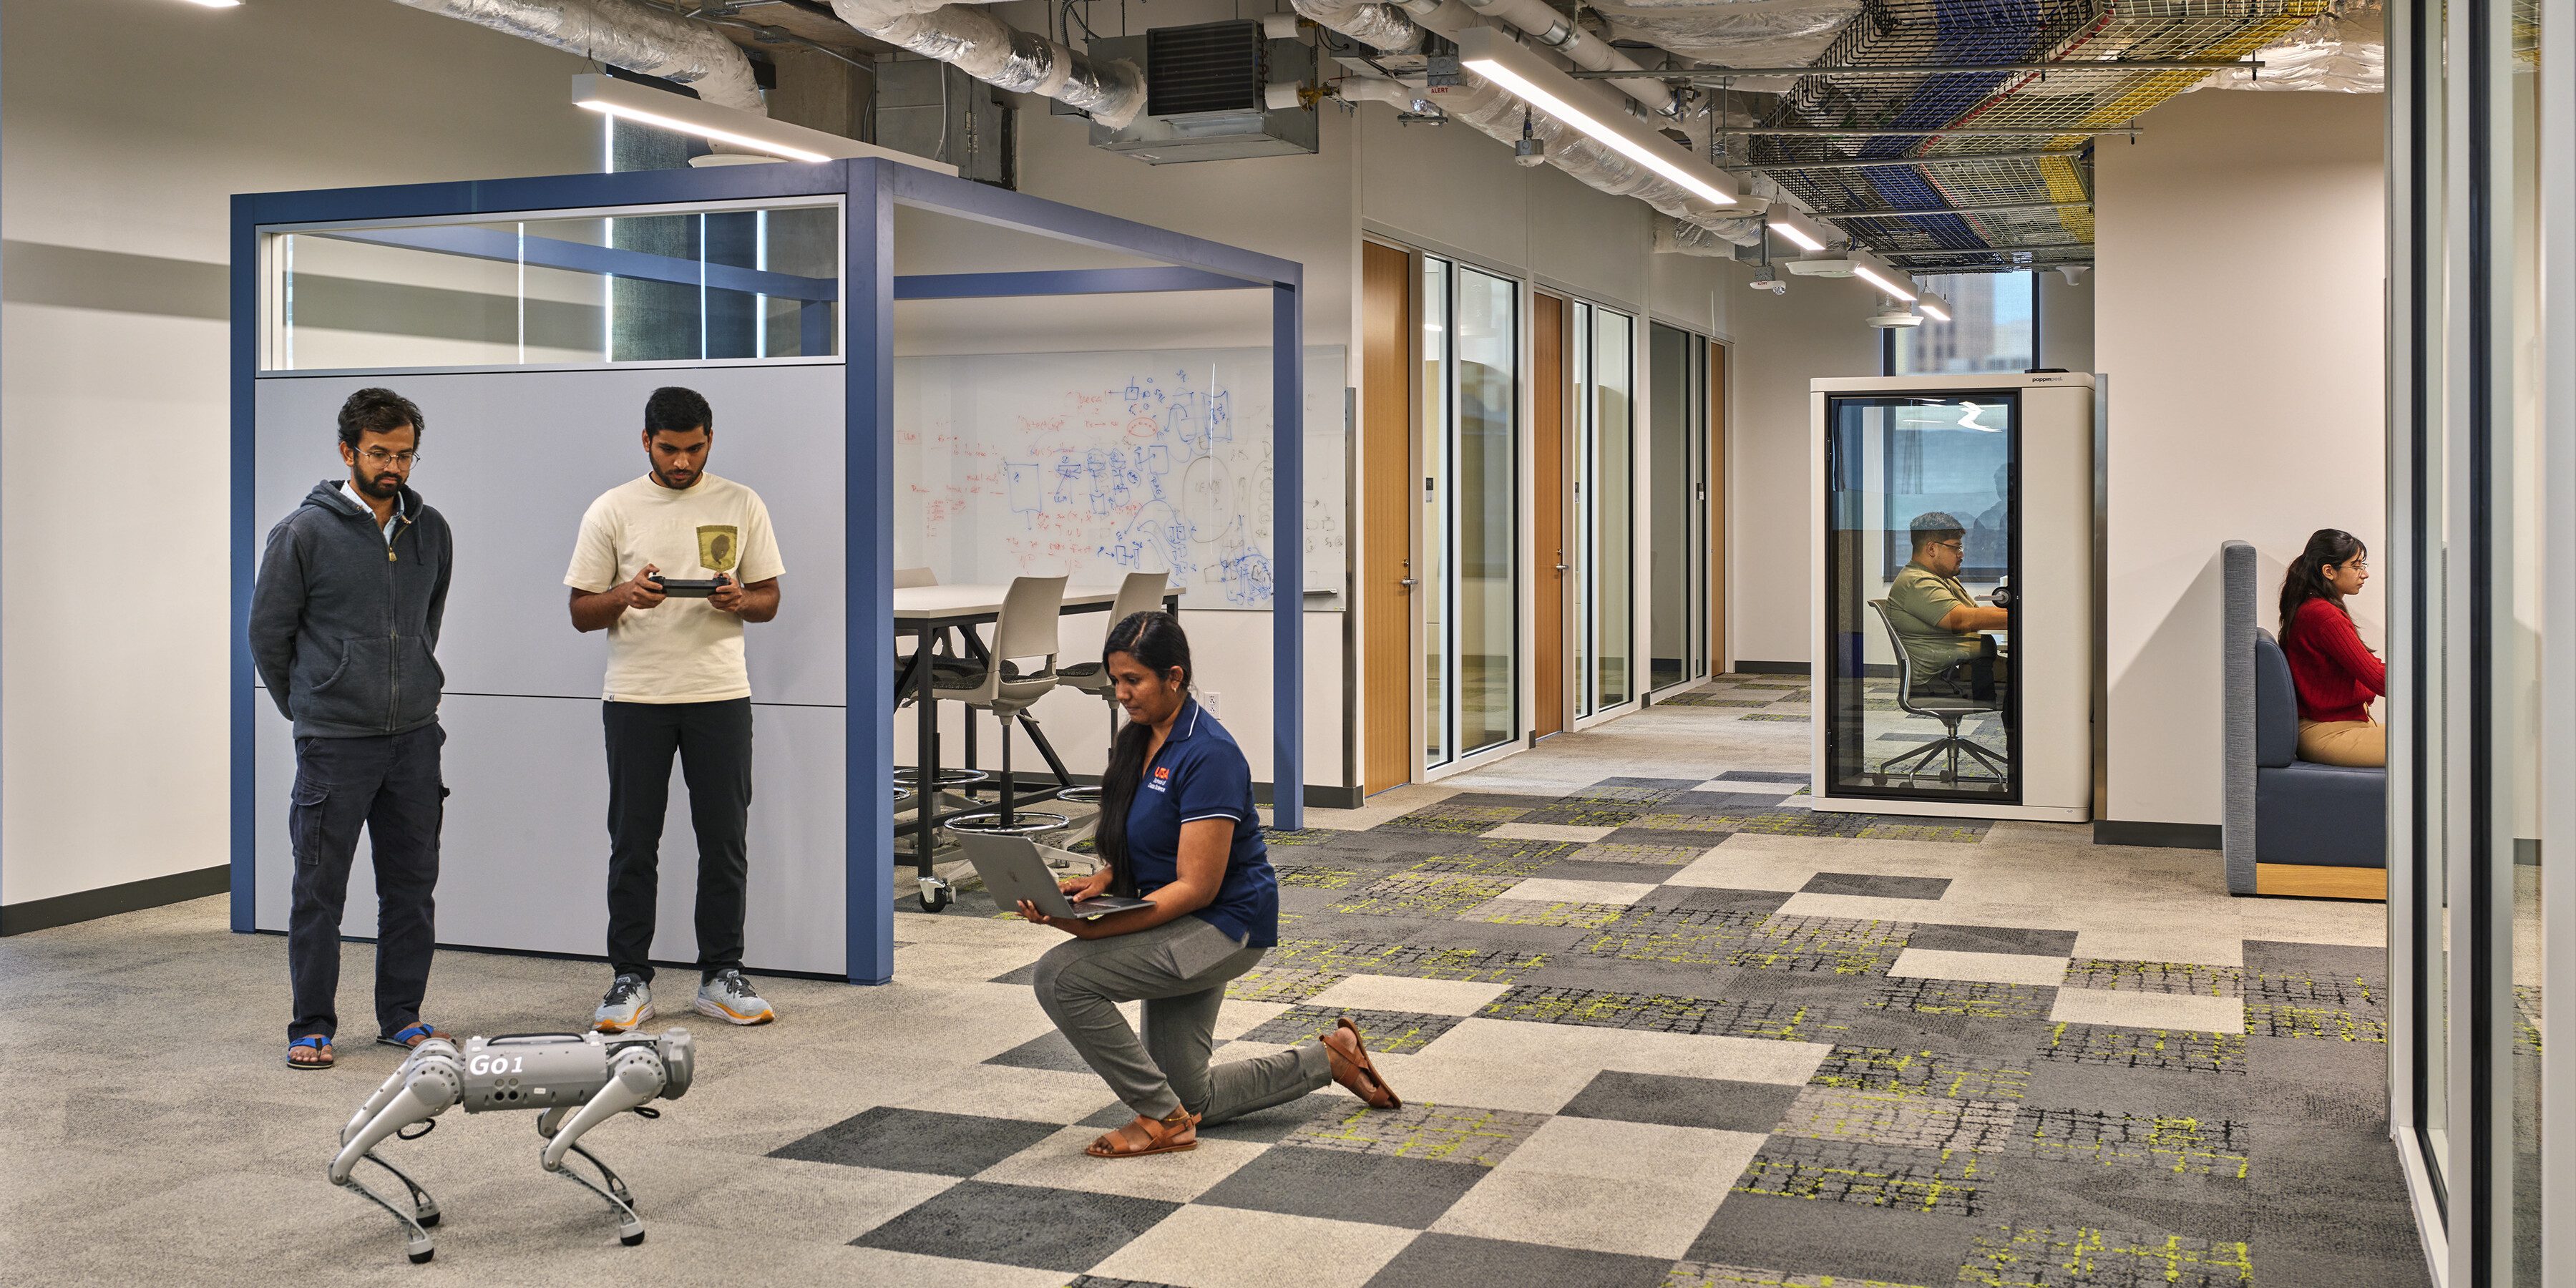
(621,34)
(1382,27)
(998,54)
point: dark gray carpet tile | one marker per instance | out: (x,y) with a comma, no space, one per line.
(1764,776)
(1949,1127)
(1465,820)
(2295,987)
(1899,1178)
(1339,1185)
(2174,1093)
(1834,945)
(1590,870)
(1386,1032)
(1666,1100)
(1830,1243)
(1493,1263)
(917,1140)
(2034,1192)
(1303,876)
(1410,960)
(1510,865)
(2185,978)
(1939,1074)
(2381,1229)
(1307,900)
(1594,1008)
(1503,800)
(2341,960)
(1964,999)
(2329,1163)
(1879,887)
(1957,1034)
(1428,895)
(1582,970)
(1048,1050)
(1668,837)
(2301,1080)
(2337,1268)
(2077,1256)
(1277,1123)
(1627,783)
(1992,939)
(1019,1225)
(2217,1054)
(1661,856)
(1581,813)
(2168,1145)
(1733,803)
(1673,898)
(2327,1023)
(1451,1135)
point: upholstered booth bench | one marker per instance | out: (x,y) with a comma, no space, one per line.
(2293,827)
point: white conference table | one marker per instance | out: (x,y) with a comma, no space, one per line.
(928,612)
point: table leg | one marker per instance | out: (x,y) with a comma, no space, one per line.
(925,757)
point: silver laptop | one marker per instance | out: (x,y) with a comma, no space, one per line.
(1013,870)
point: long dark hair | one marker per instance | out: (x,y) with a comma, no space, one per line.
(2305,581)
(1156,642)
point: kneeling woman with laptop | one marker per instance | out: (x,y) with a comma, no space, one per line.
(1178,831)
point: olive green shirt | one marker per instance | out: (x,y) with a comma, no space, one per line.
(1917,602)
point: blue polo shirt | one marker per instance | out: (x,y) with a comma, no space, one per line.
(1198,774)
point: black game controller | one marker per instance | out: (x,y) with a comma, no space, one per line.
(682,588)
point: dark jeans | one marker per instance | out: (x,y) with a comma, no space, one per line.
(714,742)
(391,786)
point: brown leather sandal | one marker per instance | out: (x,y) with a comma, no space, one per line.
(1158,1134)
(1354,1069)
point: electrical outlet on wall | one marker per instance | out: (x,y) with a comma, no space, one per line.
(1207,700)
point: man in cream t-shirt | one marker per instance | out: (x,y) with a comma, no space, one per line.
(676,683)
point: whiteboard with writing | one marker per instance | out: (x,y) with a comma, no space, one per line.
(1095,465)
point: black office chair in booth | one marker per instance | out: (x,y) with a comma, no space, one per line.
(1950,711)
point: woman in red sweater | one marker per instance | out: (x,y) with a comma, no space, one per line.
(2335,674)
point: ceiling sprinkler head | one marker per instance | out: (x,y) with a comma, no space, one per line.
(1770,281)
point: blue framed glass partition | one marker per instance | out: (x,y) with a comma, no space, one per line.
(761,305)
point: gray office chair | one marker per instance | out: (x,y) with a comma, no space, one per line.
(1948,710)
(1140,592)
(1025,628)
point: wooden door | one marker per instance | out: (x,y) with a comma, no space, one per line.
(1547,501)
(1716,508)
(1385,562)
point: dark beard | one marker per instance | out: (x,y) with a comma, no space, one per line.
(387,490)
(665,479)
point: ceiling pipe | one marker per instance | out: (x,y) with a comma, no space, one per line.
(624,35)
(972,40)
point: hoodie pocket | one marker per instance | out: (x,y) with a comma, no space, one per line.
(357,693)
(418,681)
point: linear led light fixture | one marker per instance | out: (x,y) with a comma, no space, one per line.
(1933,307)
(1882,281)
(1798,232)
(646,105)
(218,4)
(1488,53)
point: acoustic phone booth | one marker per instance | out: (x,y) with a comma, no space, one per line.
(1953,628)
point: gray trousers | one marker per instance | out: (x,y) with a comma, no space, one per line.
(1178,969)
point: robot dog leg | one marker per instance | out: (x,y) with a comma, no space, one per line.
(578,1080)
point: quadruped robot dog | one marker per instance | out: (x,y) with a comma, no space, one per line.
(578,1080)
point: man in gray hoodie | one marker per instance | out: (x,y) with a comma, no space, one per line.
(342,624)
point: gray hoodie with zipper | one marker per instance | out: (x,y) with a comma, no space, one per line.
(343,620)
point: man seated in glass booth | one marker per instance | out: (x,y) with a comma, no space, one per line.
(1941,625)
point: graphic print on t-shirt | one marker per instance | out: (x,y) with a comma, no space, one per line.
(719,545)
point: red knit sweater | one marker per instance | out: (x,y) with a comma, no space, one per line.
(2336,676)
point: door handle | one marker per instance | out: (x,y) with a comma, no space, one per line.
(1563,567)
(1407,582)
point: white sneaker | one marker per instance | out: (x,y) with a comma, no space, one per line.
(628,1004)
(728,997)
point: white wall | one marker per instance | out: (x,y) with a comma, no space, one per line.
(115,177)
(2239,318)
(1819,328)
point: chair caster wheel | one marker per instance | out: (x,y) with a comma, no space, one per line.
(428,1219)
(421,1251)
(630,1240)
(935,895)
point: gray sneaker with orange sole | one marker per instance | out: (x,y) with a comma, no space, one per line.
(728,997)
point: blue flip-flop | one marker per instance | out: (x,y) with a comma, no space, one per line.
(316,1041)
(409,1037)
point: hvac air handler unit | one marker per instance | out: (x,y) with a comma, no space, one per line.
(1208,94)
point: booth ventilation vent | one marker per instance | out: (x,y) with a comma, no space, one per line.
(1213,67)
(2055,224)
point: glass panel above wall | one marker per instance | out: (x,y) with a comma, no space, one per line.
(1992,327)
(664,285)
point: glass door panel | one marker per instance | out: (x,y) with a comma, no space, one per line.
(1918,690)
(1614,471)
(1436,675)
(1676,560)
(1470,510)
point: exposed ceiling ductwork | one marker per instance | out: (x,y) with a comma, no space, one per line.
(621,34)
(1003,56)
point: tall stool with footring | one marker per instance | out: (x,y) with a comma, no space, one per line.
(949,782)
(1025,628)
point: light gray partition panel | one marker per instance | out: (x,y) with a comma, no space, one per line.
(524,855)
(512,458)
(2236,680)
